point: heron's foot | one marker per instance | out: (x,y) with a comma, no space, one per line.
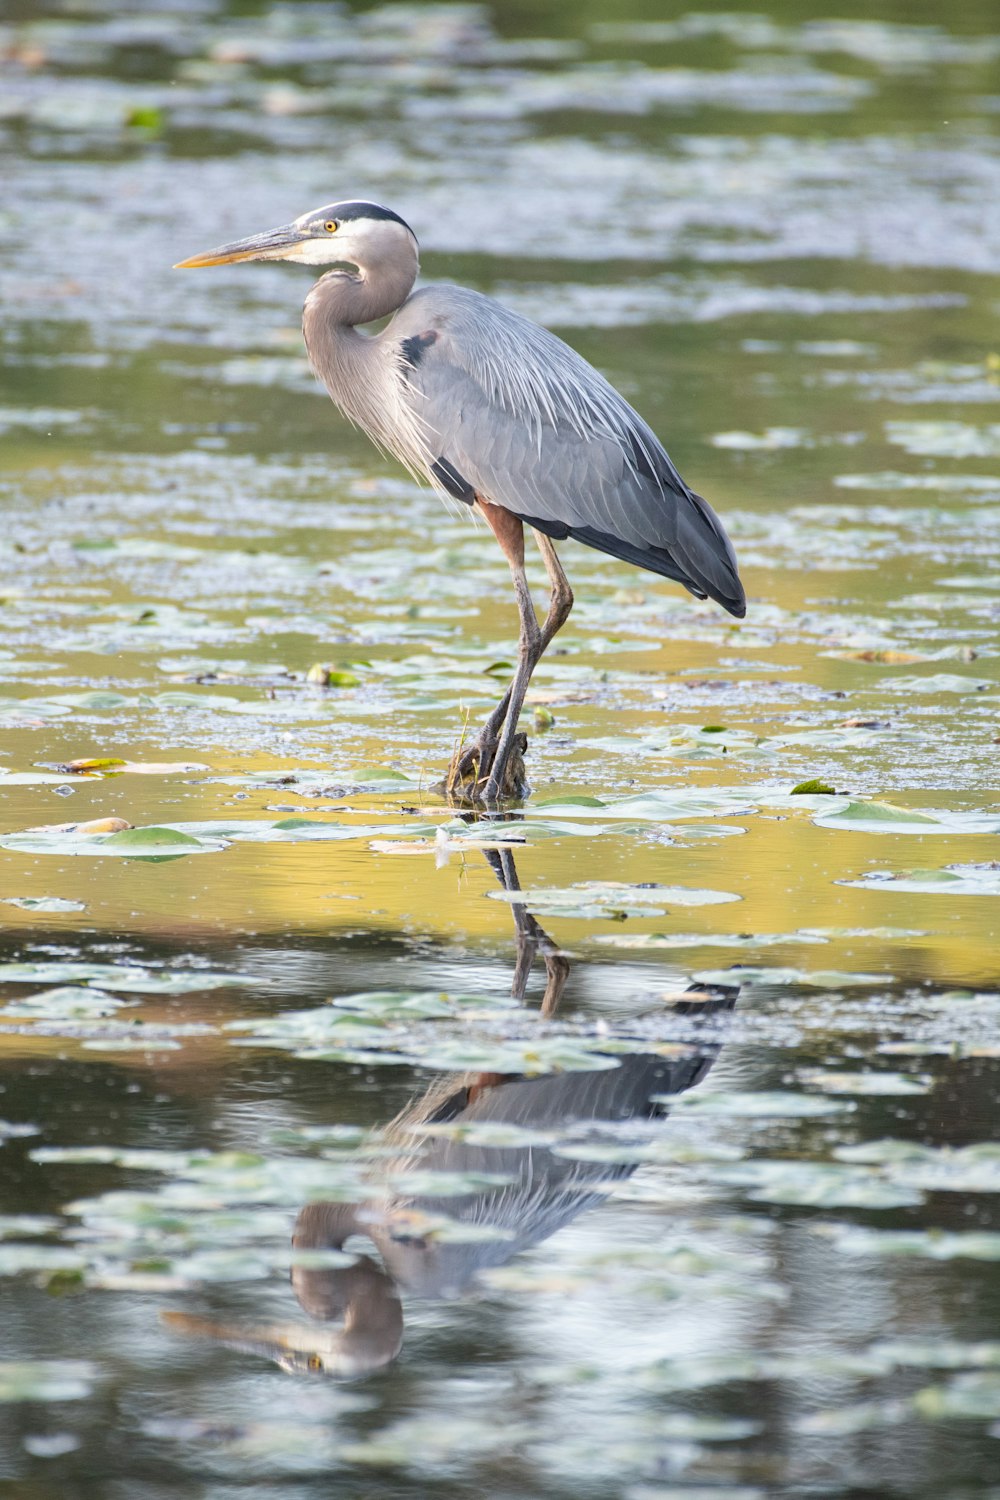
(473,778)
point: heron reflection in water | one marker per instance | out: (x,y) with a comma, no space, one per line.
(502,416)
(540,1191)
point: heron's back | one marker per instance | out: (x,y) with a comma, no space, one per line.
(511,413)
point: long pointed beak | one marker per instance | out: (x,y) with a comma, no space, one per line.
(273,244)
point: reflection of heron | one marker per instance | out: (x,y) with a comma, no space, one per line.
(531,1190)
(499,414)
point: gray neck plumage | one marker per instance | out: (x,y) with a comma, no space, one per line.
(340,301)
(357,368)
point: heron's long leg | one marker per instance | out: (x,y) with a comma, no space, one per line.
(533,641)
(560,604)
(561,596)
(529,649)
(488,756)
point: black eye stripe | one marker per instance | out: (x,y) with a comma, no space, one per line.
(343,213)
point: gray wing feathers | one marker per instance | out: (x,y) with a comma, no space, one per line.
(533,427)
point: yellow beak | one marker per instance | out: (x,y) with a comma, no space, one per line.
(273,244)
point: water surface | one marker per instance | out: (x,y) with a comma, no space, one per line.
(737,1240)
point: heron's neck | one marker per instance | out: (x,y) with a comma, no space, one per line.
(340,301)
(347,361)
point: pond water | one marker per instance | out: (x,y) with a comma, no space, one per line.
(643,1143)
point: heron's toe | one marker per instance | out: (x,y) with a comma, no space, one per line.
(474,779)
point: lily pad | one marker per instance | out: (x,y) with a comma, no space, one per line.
(44,904)
(152,843)
(48,1379)
(879,817)
(884,1083)
(610,898)
(820,1185)
(68,1002)
(952,880)
(916,1244)
(775,1104)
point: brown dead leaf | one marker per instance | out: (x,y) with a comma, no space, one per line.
(95,825)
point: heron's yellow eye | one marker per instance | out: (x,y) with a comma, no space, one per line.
(315,1363)
(331,226)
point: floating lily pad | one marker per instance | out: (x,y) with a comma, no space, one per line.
(152,843)
(48,1379)
(775,1104)
(68,1002)
(127,977)
(879,817)
(952,880)
(917,1244)
(612,899)
(865,1083)
(820,1185)
(819,979)
(44,904)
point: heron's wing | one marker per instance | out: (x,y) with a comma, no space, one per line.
(518,417)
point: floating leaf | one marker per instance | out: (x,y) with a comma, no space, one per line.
(953,880)
(43,903)
(820,1185)
(127,977)
(47,1379)
(878,817)
(938,682)
(918,1244)
(610,898)
(151,843)
(112,766)
(105,763)
(972,1396)
(866,1083)
(820,979)
(68,1002)
(775,1104)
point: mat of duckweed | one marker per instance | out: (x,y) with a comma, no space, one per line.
(297,1199)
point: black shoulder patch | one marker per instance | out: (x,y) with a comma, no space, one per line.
(413,349)
(454,482)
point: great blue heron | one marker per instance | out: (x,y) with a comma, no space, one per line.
(499,414)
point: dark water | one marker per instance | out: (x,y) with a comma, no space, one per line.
(622,1237)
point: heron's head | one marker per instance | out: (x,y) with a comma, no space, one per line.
(352,233)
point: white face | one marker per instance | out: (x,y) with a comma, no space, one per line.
(350,241)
